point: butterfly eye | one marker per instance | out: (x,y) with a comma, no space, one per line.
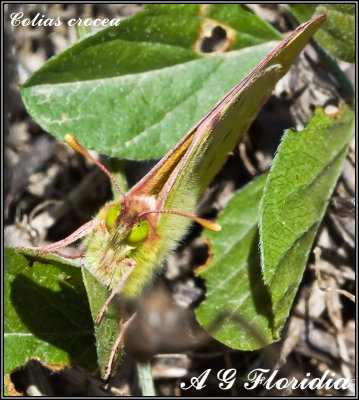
(112,215)
(139,232)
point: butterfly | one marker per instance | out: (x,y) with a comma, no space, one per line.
(129,239)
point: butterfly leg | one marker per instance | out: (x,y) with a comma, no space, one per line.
(117,288)
(78,234)
(118,342)
(77,255)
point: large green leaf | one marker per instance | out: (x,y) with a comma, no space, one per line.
(133,90)
(55,325)
(338,33)
(254,302)
(233,278)
(299,185)
(164,34)
(46,312)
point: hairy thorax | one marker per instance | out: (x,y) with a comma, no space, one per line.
(106,250)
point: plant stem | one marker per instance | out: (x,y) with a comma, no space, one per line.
(333,67)
(145,379)
(328,60)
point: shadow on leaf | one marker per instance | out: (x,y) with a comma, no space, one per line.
(58,317)
(260,295)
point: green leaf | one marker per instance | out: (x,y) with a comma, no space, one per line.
(46,312)
(302,12)
(137,107)
(108,329)
(164,34)
(250,29)
(253,302)
(233,278)
(299,185)
(338,32)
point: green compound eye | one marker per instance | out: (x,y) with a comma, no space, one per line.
(112,215)
(139,232)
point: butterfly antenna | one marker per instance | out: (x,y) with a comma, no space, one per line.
(213,226)
(76,146)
